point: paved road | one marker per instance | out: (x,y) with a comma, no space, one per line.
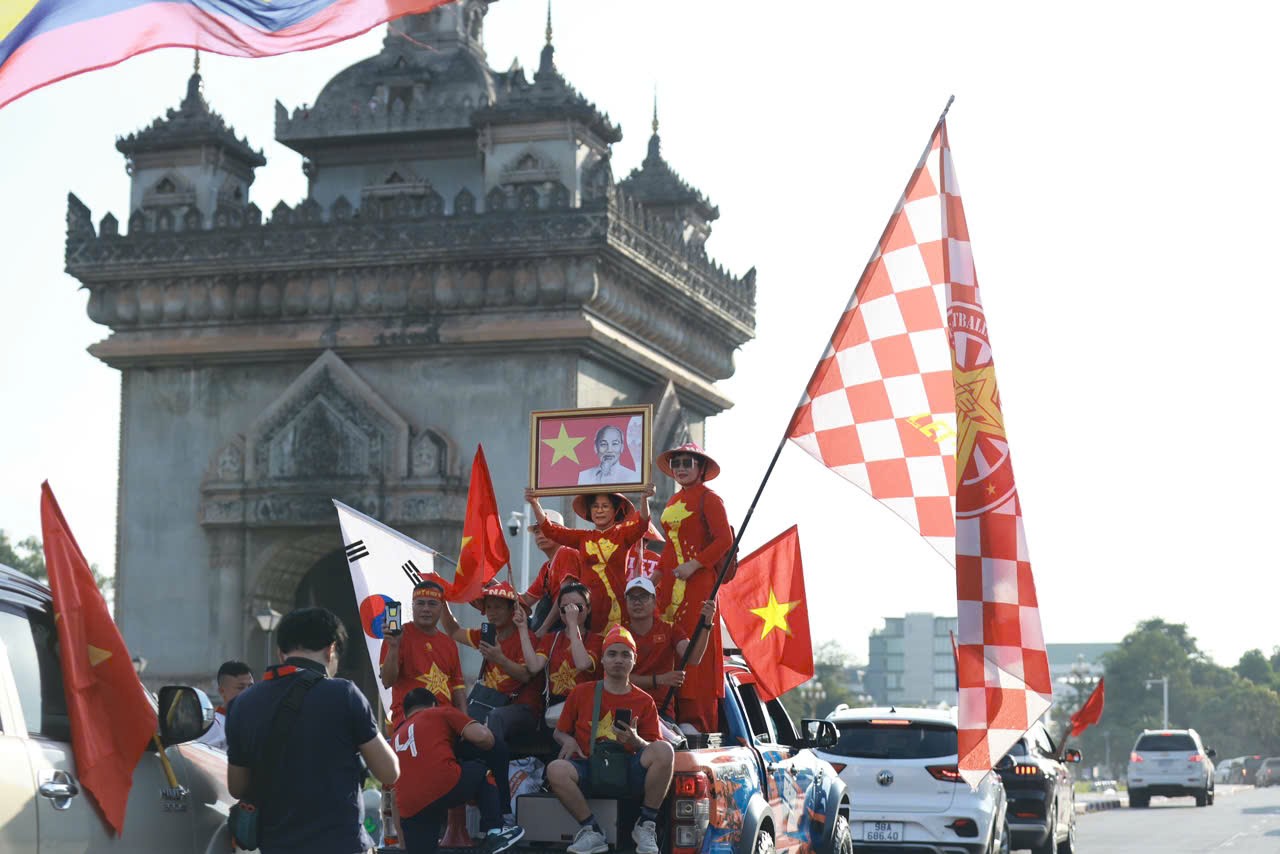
(1244,820)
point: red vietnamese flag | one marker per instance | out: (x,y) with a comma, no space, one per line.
(764,608)
(112,718)
(484,547)
(1091,712)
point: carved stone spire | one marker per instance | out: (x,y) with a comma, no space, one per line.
(547,65)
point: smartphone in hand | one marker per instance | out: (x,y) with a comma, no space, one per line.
(392,626)
(621,717)
(489,634)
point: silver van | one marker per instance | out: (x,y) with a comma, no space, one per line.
(43,807)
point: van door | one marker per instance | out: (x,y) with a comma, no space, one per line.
(68,821)
(17,783)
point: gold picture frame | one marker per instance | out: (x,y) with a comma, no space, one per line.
(572,451)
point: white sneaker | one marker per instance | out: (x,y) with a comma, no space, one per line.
(645,836)
(588,840)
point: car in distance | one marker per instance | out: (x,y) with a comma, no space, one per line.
(1040,788)
(1268,773)
(1247,771)
(1224,770)
(1170,762)
(905,790)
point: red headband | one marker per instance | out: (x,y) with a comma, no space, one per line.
(431,592)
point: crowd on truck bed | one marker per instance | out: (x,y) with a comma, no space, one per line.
(591,653)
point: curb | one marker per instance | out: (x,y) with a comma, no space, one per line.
(1099,805)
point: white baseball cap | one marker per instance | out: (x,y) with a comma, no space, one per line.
(552,515)
(642,583)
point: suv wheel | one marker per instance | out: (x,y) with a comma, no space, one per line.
(1137,800)
(842,837)
(1050,844)
(1202,798)
(1068,845)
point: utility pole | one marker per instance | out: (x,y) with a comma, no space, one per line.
(1164,683)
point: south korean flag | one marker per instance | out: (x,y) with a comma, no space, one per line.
(385,565)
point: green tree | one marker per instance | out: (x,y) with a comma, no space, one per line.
(1255,667)
(836,668)
(28,558)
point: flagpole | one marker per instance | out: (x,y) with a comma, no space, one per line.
(737,539)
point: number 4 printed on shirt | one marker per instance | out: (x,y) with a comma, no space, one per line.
(408,745)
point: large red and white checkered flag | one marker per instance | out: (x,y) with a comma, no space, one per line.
(879,409)
(1002,667)
(898,404)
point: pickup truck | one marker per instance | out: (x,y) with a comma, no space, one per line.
(43,808)
(755,787)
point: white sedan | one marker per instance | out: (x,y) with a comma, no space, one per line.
(905,790)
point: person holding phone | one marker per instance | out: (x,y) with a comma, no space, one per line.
(617,527)
(421,655)
(569,656)
(504,670)
(628,717)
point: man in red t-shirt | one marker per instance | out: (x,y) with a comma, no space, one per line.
(628,717)
(505,672)
(422,656)
(660,644)
(433,779)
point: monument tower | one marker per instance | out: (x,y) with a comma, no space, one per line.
(463,256)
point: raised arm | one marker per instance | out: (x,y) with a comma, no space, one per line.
(452,628)
(389,671)
(532,661)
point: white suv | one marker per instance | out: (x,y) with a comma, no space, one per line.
(1170,762)
(905,791)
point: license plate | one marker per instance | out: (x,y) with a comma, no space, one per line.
(882,831)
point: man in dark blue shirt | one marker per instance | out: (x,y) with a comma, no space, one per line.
(313,802)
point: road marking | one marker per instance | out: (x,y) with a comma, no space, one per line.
(1230,843)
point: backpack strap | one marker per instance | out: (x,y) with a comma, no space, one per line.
(263,780)
(595,716)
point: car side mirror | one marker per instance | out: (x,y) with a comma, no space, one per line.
(1073,756)
(185,714)
(1211,753)
(1006,762)
(818,734)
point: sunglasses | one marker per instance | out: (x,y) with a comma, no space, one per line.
(683,462)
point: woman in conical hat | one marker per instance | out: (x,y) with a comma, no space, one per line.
(618,524)
(698,539)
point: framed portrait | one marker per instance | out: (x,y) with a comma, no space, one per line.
(579,450)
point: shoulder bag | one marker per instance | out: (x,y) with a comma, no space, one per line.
(609,760)
(243,820)
(482,700)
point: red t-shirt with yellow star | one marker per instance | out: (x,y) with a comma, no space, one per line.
(562,675)
(426,661)
(576,717)
(529,693)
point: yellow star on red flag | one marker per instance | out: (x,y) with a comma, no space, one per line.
(564,446)
(97,656)
(774,614)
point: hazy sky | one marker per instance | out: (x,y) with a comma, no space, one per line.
(1117,168)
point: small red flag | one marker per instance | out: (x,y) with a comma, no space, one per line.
(112,718)
(1091,712)
(766,612)
(484,547)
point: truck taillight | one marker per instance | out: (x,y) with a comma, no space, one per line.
(1195,757)
(690,812)
(1134,757)
(1026,771)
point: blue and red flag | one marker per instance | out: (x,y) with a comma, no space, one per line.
(44,41)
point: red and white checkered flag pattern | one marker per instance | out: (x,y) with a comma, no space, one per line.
(879,409)
(900,403)
(1002,668)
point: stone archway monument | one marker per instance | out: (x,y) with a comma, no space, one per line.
(463,256)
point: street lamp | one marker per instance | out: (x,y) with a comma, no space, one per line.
(268,618)
(139,664)
(1163,681)
(813,693)
(516,526)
